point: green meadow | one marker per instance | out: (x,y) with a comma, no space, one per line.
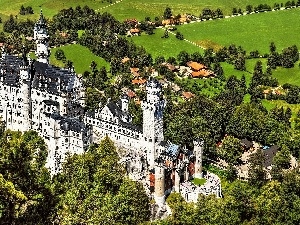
(252,32)
(283,75)
(50,7)
(80,56)
(140,9)
(250,64)
(270,104)
(166,47)
(130,8)
(291,75)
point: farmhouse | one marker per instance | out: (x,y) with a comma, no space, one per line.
(134,32)
(199,70)
(187,95)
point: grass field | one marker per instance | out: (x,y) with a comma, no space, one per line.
(252,32)
(284,75)
(270,104)
(50,7)
(166,47)
(291,75)
(80,56)
(209,87)
(140,9)
(130,8)
(250,64)
(198,181)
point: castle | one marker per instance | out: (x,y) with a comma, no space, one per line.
(38,96)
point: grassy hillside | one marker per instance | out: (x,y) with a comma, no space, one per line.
(139,9)
(252,32)
(50,7)
(130,8)
(166,47)
(250,63)
(291,75)
(80,56)
(270,104)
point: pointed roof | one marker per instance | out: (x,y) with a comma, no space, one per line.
(42,18)
(24,56)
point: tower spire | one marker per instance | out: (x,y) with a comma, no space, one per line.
(24,56)
(153,108)
(41,38)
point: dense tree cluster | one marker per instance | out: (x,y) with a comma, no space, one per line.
(22,27)
(211,14)
(232,54)
(200,117)
(233,92)
(286,59)
(274,203)
(92,188)
(261,79)
(26,193)
(25,11)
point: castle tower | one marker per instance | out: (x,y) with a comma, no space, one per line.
(153,119)
(25,93)
(3,53)
(177,180)
(41,38)
(198,152)
(124,103)
(159,188)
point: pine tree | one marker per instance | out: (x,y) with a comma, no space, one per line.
(256,173)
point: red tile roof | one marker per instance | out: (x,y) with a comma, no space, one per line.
(202,73)
(187,95)
(139,81)
(125,59)
(134,30)
(196,66)
(131,94)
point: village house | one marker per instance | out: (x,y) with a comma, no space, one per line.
(171,67)
(135,72)
(134,32)
(125,60)
(199,70)
(187,95)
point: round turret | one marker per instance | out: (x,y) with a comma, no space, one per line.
(198,152)
(159,188)
(41,38)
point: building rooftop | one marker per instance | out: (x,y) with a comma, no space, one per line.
(67,123)
(196,66)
